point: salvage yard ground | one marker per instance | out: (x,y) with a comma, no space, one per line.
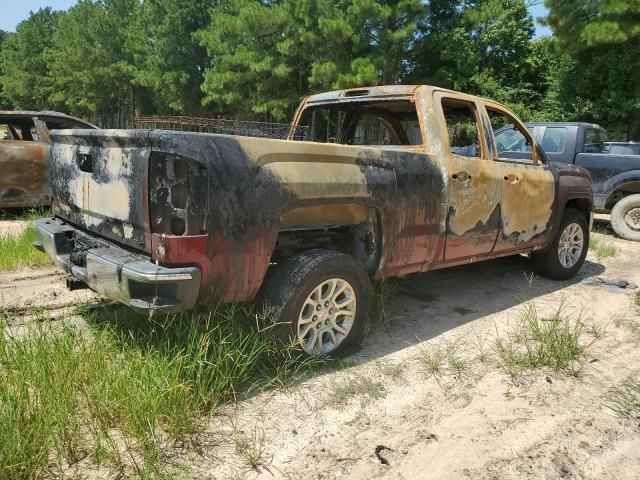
(446,385)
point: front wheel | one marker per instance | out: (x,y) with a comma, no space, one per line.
(320,300)
(566,255)
(625,218)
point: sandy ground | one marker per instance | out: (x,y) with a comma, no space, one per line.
(12,226)
(471,422)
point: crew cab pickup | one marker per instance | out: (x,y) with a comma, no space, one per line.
(387,181)
(614,168)
(24,145)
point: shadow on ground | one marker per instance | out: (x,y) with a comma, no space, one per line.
(432,303)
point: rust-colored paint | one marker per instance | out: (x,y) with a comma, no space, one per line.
(24,173)
(432,208)
(24,170)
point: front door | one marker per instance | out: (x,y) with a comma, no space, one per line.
(473,219)
(528,186)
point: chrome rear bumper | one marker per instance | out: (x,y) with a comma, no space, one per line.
(116,273)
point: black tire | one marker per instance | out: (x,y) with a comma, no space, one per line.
(625,218)
(288,288)
(548,263)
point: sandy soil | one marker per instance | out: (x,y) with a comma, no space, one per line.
(12,226)
(35,289)
(480,424)
(473,422)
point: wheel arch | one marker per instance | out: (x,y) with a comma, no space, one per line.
(348,226)
(629,187)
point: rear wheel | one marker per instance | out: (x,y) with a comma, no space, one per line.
(569,249)
(320,300)
(625,218)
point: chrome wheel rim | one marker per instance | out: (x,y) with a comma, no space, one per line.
(632,218)
(571,245)
(327,316)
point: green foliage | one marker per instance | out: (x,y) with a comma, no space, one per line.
(265,56)
(16,250)
(122,392)
(166,57)
(107,60)
(558,342)
(4,101)
(604,37)
(25,80)
(89,65)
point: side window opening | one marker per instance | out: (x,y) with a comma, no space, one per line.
(511,141)
(594,140)
(554,139)
(462,128)
(391,122)
(5,132)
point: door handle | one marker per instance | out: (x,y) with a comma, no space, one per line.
(511,178)
(461,176)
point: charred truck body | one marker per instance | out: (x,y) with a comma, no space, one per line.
(388,181)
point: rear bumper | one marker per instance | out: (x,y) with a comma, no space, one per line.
(116,273)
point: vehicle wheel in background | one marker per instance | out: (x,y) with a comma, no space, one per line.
(625,218)
(568,250)
(321,300)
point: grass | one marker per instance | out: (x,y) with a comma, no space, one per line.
(15,248)
(601,245)
(624,401)
(445,358)
(119,394)
(558,341)
(630,324)
(251,448)
(357,386)
(384,291)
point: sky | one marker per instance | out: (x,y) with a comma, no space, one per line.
(13,12)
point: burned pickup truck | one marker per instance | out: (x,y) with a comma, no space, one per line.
(387,181)
(24,145)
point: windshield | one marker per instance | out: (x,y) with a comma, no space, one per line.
(387,122)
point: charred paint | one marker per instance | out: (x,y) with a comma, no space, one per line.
(23,158)
(237,195)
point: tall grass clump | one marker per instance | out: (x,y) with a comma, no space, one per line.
(601,245)
(624,400)
(558,341)
(16,250)
(118,394)
(384,292)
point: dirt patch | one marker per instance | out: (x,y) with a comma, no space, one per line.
(476,423)
(36,289)
(12,227)
(383,413)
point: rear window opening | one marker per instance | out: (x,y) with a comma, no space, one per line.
(385,122)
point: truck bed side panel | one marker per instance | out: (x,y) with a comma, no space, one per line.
(253,182)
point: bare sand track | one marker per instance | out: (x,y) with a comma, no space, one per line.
(385,414)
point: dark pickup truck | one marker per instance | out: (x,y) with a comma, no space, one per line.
(387,181)
(614,168)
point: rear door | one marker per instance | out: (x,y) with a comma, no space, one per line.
(528,185)
(23,167)
(473,219)
(556,143)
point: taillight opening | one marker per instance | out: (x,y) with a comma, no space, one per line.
(178,199)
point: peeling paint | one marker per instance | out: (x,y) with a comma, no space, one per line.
(228,204)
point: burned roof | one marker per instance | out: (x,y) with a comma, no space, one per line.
(43,115)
